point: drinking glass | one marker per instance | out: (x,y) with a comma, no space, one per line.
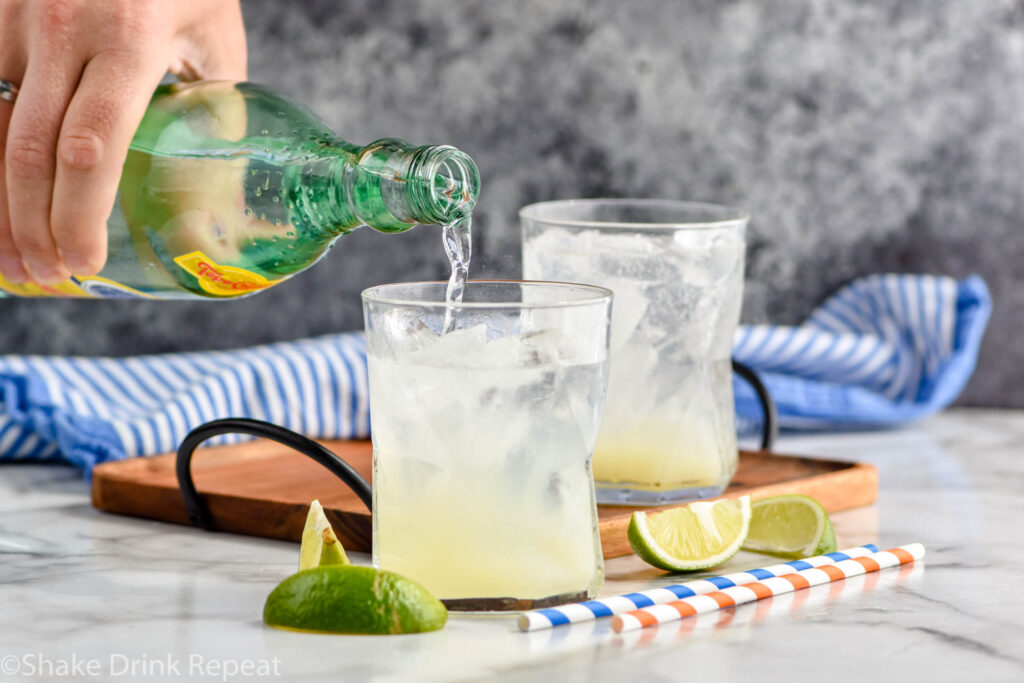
(676,269)
(482,439)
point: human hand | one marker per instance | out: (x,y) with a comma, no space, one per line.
(86,70)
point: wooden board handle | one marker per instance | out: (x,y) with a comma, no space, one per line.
(195,506)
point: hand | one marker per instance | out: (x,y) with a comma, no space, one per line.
(86,70)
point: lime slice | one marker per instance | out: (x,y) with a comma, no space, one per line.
(348,599)
(790,526)
(698,536)
(320,547)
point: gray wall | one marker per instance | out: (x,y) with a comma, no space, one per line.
(863,136)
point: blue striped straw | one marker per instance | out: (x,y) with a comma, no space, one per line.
(606,607)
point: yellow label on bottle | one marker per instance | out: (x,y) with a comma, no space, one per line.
(64,289)
(221,280)
(92,287)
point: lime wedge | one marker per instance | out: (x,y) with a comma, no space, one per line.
(698,536)
(348,599)
(320,547)
(790,526)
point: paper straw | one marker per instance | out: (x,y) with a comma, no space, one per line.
(673,611)
(606,607)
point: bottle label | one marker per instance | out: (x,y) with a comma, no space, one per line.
(220,280)
(67,288)
(94,287)
(214,278)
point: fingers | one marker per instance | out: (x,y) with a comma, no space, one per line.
(12,67)
(30,165)
(98,127)
(10,261)
(88,75)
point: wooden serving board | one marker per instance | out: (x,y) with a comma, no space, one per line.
(262,488)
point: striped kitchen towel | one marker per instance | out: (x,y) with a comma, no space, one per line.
(88,410)
(883,350)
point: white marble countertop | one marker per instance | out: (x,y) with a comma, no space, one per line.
(164,598)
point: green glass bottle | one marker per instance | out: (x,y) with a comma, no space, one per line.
(230,188)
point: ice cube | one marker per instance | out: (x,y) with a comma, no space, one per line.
(395,334)
(707,257)
(640,267)
(629,308)
(543,346)
(447,350)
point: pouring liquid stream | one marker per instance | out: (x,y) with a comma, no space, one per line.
(458,246)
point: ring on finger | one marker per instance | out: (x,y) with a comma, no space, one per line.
(8,91)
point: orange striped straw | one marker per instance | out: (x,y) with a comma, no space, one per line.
(737,595)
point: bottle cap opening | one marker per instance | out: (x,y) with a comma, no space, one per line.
(448,183)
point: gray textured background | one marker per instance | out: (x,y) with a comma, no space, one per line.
(863,136)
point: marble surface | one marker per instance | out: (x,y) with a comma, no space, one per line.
(124,592)
(863,136)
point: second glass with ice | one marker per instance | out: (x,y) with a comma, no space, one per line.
(676,269)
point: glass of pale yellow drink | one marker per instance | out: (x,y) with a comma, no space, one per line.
(676,269)
(484,416)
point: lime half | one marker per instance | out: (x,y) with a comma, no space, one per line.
(790,526)
(698,536)
(348,599)
(320,547)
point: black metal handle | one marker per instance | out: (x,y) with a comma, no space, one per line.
(199,513)
(770,425)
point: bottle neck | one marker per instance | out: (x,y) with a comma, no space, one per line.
(443,184)
(391,186)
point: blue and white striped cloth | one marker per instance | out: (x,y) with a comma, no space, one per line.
(89,410)
(883,350)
